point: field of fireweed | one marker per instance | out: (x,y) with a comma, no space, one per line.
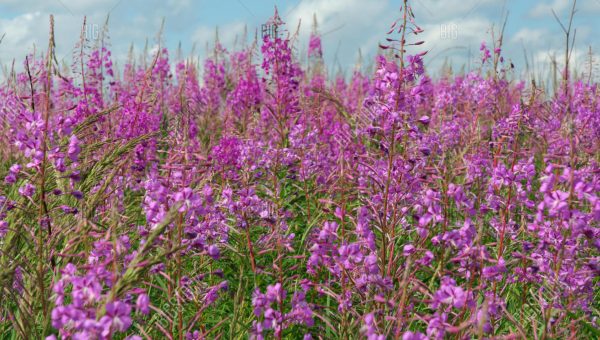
(267,199)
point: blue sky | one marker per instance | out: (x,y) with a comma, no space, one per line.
(454,29)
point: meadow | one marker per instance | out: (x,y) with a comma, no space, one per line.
(254,195)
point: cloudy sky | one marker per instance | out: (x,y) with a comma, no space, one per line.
(454,29)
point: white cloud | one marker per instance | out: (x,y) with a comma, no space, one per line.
(19,33)
(589,6)
(333,13)
(543,64)
(435,10)
(346,20)
(531,36)
(177,6)
(345,26)
(545,8)
(454,40)
(365,24)
(74,7)
(227,34)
